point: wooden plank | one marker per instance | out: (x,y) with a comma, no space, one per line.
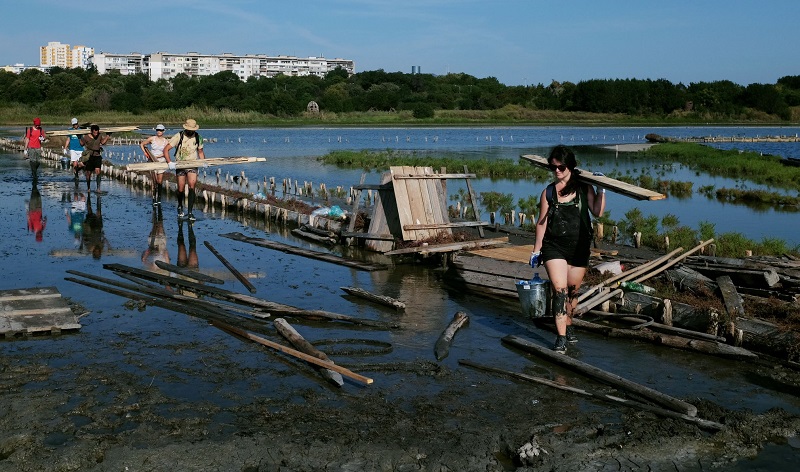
(385,219)
(292,352)
(707,424)
(732,299)
(35,310)
(438,202)
(322,256)
(449,247)
(82,131)
(591,371)
(210,161)
(403,205)
(192,274)
(473,199)
(432,175)
(616,186)
(222,294)
(250,287)
(379,237)
(421,206)
(459,224)
(28,293)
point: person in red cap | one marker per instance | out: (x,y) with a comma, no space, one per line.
(34,138)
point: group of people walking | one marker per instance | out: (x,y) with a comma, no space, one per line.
(85,153)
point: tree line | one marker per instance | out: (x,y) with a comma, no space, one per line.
(82,91)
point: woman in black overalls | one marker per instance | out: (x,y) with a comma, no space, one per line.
(564,236)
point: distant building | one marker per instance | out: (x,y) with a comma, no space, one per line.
(164,65)
(56,54)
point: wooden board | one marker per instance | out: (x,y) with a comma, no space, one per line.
(614,185)
(80,131)
(35,310)
(214,161)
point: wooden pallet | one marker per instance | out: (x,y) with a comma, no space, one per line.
(38,310)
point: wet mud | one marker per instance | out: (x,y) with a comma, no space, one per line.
(143,388)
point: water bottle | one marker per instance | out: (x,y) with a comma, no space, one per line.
(636,287)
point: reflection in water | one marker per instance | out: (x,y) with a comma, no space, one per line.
(188,260)
(94,239)
(76,214)
(156,243)
(36,220)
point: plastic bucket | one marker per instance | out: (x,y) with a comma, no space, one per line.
(533,298)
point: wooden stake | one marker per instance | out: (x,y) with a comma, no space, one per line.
(442,348)
(287,331)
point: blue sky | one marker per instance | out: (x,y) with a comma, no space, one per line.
(517,41)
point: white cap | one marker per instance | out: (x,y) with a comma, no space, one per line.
(160,127)
(74,121)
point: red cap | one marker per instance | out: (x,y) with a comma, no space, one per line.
(37,121)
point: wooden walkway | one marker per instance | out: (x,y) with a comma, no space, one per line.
(38,310)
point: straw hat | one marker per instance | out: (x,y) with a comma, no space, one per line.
(191,125)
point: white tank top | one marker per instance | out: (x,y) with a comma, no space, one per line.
(157,147)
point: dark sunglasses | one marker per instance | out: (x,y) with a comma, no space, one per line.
(560,168)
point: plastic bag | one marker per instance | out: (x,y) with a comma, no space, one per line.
(336,212)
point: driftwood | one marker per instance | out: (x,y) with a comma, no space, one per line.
(322,256)
(671,340)
(655,326)
(442,347)
(686,278)
(654,396)
(706,424)
(382,299)
(766,278)
(292,352)
(250,287)
(192,274)
(272,307)
(287,331)
(326,240)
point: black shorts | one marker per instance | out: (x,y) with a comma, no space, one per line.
(576,253)
(184,172)
(94,162)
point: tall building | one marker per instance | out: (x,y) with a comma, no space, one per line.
(164,65)
(56,54)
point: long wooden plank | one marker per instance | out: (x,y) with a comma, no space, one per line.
(192,274)
(322,256)
(616,186)
(432,175)
(382,299)
(421,209)
(473,199)
(403,205)
(707,424)
(292,352)
(272,307)
(210,161)
(81,131)
(250,287)
(448,247)
(655,396)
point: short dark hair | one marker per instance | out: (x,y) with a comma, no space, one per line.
(94,128)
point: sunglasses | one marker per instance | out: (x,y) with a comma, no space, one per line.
(560,168)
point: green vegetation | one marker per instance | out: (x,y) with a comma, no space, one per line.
(379,97)
(750,166)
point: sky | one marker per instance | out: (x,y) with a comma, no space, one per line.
(519,42)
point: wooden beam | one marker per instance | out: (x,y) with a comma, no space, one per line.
(250,287)
(81,131)
(614,185)
(192,274)
(291,352)
(299,342)
(449,247)
(655,396)
(211,161)
(458,224)
(433,176)
(442,347)
(382,299)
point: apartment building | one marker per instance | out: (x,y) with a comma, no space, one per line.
(56,54)
(164,65)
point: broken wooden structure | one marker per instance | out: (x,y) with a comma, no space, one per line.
(412,206)
(32,311)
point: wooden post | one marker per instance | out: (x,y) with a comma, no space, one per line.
(666,243)
(712,250)
(666,317)
(637,239)
(614,234)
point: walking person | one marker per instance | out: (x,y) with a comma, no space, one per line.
(94,142)
(34,138)
(73,149)
(564,236)
(155,153)
(188,145)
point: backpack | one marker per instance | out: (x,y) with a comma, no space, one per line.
(582,197)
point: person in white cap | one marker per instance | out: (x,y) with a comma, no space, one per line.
(155,153)
(188,145)
(73,149)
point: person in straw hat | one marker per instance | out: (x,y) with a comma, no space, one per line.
(188,146)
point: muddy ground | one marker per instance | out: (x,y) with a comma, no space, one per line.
(145,388)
